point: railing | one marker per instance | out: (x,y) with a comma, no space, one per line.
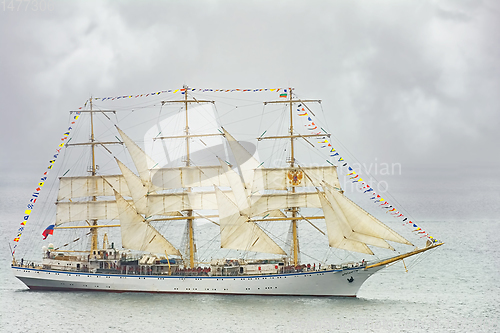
(198,271)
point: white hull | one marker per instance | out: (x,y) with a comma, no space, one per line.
(313,283)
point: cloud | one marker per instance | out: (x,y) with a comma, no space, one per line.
(404,82)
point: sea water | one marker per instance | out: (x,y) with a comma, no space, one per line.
(455,288)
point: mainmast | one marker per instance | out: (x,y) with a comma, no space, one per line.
(93,231)
(294,210)
(188,136)
(189,212)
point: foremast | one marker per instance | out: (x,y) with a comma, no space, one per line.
(294,210)
(93,225)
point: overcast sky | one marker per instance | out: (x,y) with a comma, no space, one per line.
(401,81)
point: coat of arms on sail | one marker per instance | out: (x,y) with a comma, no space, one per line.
(295,177)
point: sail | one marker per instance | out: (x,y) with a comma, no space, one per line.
(137,234)
(89,186)
(238,187)
(263,178)
(360,220)
(261,204)
(237,233)
(339,231)
(245,161)
(138,191)
(350,228)
(164,203)
(202,120)
(142,162)
(162,179)
(85,210)
(183,177)
(282,178)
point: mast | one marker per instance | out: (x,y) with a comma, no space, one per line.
(93,170)
(188,163)
(189,212)
(94,233)
(291,161)
(294,210)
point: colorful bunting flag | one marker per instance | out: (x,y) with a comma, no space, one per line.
(34,196)
(311,125)
(284,93)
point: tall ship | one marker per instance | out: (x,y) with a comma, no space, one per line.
(185,206)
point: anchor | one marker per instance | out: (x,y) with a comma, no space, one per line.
(350,279)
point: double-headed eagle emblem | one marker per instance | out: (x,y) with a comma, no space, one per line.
(295,177)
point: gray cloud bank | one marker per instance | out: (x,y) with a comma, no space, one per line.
(401,81)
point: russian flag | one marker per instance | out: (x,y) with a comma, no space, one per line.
(48,231)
